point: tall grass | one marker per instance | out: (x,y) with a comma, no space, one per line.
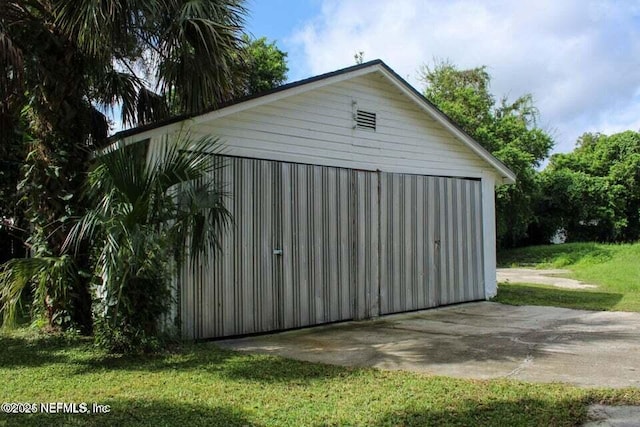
(614,268)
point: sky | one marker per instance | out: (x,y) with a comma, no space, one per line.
(580,59)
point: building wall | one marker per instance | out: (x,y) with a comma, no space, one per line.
(316,126)
(313,126)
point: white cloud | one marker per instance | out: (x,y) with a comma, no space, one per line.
(579,59)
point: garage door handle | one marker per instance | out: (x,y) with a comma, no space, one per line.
(277,251)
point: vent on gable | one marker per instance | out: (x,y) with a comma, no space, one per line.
(365,120)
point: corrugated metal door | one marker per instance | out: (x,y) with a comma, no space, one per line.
(303,251)
(326,274)
(430,242)
(236,292)
(314,244)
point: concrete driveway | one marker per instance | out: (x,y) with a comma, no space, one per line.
(476,340)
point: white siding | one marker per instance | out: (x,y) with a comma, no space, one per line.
(489,235)
(316,127)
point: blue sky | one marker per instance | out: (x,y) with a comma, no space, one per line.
(280,20)
(580,59)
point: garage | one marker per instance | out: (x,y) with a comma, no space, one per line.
(352,197)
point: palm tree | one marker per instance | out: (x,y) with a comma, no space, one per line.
(64,61)
(147,215)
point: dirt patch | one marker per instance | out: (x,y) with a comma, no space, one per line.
(551,277)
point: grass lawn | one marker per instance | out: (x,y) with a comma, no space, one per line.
(200,384)
(614,268)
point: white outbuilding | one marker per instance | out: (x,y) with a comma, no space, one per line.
(352,197)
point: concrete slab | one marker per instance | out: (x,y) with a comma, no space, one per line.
(476,340)
(613,416)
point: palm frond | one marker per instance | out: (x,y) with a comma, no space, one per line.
(49,276)
(203,217)
(184,159)
(119,87)
(100,27)
(150,107)
(199,50)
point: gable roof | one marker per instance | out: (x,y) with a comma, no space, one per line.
(321,80)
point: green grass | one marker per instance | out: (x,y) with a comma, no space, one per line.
(203,385)
(615,269)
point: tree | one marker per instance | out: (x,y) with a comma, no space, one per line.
(61,60)
(508,130)
(266,65)
(594,192)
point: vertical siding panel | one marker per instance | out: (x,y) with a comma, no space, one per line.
(408,242)
(364,247)
(257,299)
(287,300)
(384,293)
(270,204)
(358,232)
(222,174)
(302,215)
(441,247)
(420,219)
(445,257)
(469,280)
(316,230)
(431,209)
(459,239)
(451,224)
(396,253)
(187,306)
(343,211)
(251,240)
(479,244)
(332,265)
(310,244)
(232,282)
(373,282)
(256,236)
(229,280)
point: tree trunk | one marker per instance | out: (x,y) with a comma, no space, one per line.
(55,170)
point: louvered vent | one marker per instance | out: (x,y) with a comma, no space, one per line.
(365,120)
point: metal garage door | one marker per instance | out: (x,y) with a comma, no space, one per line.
(430,242)
(302,251)
(314,244)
